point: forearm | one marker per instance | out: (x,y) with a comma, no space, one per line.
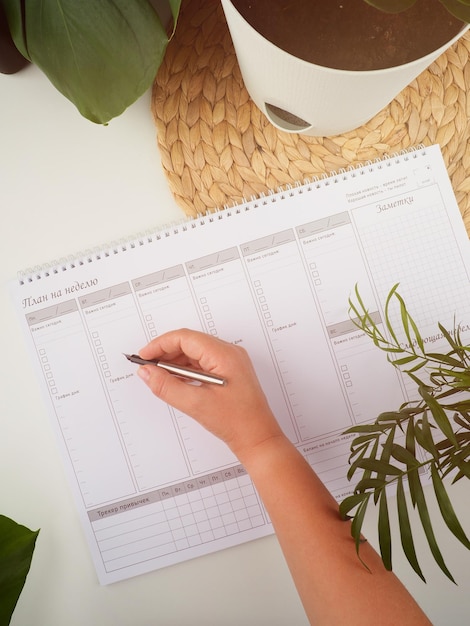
(333,584)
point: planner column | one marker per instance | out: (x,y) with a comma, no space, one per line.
(80,404)
(146,426)
(296,332)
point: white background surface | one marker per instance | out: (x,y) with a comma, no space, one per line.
(68,185)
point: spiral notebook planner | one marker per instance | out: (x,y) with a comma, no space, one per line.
(274,275)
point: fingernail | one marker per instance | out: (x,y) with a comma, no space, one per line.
(143,373)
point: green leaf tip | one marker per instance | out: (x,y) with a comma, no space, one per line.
(16,551)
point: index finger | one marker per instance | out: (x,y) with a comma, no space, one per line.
(196,346)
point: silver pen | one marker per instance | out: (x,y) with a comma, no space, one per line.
(178,370)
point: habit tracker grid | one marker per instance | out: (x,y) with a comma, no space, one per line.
(152,487)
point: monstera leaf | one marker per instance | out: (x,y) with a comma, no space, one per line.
(16,551)
(100,55)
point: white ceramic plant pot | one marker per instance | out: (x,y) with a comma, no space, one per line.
(319,101)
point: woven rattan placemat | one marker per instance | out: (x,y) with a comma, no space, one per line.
(217,147)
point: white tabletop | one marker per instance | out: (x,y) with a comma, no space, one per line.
(67,185)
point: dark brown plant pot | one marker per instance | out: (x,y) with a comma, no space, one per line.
(11,60)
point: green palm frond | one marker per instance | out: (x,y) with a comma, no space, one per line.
(424,439)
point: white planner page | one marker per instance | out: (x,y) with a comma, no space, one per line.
(152,487)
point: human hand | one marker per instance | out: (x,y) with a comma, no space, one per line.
(238,413)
